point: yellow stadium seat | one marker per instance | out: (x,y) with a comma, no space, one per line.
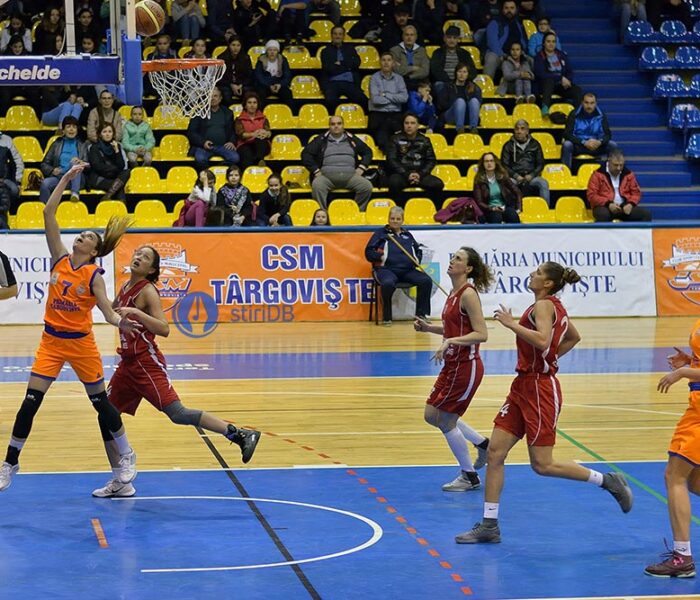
(22,118)
(151,213)
(169,119)
(364,84)
(255,179)
(531,113)
(220,174)
(377,154)
(377,211)
(471,174)
(73,215)
(322,27)
(494,116)
(218,51)
(299,57)
(125,111)
(173,146)
(430,49)
(353,116)
(30,215)
(476,56)
(305,87)
(145,180)
(549,147)
(254,53)
(280,116)
(302,211)
(536,210)
(559,177)
(107,209)
(451,176)
(529,27)
(350,8)
(561,107)
(296,178)
(345,212)
(571,209)
(180,180)
(313,116)
(497,142)
(484,81)
(369,57)
(584,174)
(147,52)
(236,109)
(12,221)
(29,148)
(177,209)
(419,211)
(285,147)
(445,203)
(465,30)
(443,151)
(25,182)
(468,146)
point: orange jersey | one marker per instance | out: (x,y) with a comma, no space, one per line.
(694,344)
(70,302)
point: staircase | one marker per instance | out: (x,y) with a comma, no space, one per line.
(670,184)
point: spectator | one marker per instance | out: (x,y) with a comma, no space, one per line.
(253,21)
(340,63)
(16,27)
(523,158)
(238,76)
(108,165)
(50,26)
(199,49)
(201,199)
(462,97)
(274,203)
(87,26)
(220,19)
(517,75)
(235,201)
(291,19)
(485,12)
(330,8)
(138,139)
(410,159)
(530,9)
(446,58)
(188,19)
(88,45)
(392,266)
(273,75)
(387,95)
(72,107)
(9,92)
(252,132)
(497,196)
(104,113)
(213,136)
(62,154)
(320,218)
(458,9)
(410,59)
(338,159)
(534,44)
(163,50)
(586,131)
(628,10)
(554,74)
(11,166)
(613,192)
(431,15)
(421,104)
(500,34)
(392,33)
(667,10)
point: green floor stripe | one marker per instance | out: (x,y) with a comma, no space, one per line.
(614,467)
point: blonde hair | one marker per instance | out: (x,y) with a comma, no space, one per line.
(115,230)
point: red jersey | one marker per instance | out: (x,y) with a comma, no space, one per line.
(456,323)
(532,360)
(145,341)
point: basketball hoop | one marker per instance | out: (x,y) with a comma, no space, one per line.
(184,85)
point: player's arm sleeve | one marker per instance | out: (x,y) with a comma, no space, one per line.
(7,277)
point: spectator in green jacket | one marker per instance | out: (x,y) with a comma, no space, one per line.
(138,140)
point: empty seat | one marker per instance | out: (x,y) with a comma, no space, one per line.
(255,179)
(377,154)
(641,32)
(377,211)
(296,177)
(497,142)
(655,57)
(322,27)
(302,211)
(29,148)
(584,174)
(443,151)
(280,116)
(692,150)
(488,90)
(419,211)
(531,113)
(21,118)
(151,213)
(146,180)
(450,176)
(684,116)
(536,210)
(107,209)
(550,149)
(180,180)
(670,85)
(173,146)
(171,118)
(468,146)
(345,212)
(494,116)
(285,147)
(687,57)
(558,176)
(30,215)
(73,215)
(299,57)
(353,116)
(350,8)
(570,209)
(305,87)
(369,57)
(673,32)
(313,116)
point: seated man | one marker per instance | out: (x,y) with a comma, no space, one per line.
(213,136)
(340,64)
(387,95)
(338,159)
(392,266)
(410,59)
(522,156)
(410,159)
(11,167)
(586,131)
(613,192)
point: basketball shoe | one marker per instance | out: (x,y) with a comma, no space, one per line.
(673,565)
(127,467)
(480,534)
(115,489)
(464,482)
(246,439)
(617,485)
(6,472)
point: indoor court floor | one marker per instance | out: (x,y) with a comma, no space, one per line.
(342,498)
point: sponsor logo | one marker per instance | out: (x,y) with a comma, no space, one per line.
(685,262)
(196,315)
(34,73)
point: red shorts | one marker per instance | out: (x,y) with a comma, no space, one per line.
(685,442)
(146,377)
(456,385)
(532,408)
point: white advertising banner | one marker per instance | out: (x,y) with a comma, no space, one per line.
(616,267)
(31,263)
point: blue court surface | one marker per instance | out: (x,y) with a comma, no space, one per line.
(328,533)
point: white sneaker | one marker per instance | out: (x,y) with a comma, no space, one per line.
(6,472)
(461,483)
(114,489)
(127,467)
(482,457)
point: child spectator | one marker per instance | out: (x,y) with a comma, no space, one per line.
(273,209)
(534,44)
(421,104)
(138,139)
(16,27)
(320,218)
(199,49)
(517,75)
(235,200)
(201,199)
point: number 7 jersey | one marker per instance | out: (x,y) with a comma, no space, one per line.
(532,360)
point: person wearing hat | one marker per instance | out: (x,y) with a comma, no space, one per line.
(447,57)
(272,74)
(392,32)
(62,154)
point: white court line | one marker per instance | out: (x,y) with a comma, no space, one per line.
(377,533)
(431,432)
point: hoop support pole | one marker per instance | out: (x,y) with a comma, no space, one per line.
(133,78)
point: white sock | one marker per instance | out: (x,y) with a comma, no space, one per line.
(458,445)
(471,434)
(490,510)
(115,473)
(596,478)
(15,443)
(682,548)
(122,443)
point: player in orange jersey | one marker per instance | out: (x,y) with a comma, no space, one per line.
(682,470)
(543,334)
(142,372)
(76,286)
(463,328)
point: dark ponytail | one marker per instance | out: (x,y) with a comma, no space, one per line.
(481,274)
(560,275)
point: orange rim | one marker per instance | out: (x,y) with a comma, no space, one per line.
(178,64)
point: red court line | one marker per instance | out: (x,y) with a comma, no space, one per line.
(99,533)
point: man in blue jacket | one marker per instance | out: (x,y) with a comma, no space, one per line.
(500,34)
(391,266)
(586,131)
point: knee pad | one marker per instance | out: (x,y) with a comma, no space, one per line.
(106,411)
(25,415)
(104,428)
(181,415)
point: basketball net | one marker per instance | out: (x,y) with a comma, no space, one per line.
(184,85)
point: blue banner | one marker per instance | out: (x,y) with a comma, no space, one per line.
(84,69)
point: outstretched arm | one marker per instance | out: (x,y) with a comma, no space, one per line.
(51,228)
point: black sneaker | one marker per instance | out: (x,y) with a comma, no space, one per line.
(617,485)
(246,439)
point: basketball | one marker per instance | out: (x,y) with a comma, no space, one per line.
(150,18)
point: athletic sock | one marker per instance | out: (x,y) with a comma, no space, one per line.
(490,513)
(13,451)
(470,434)
(682,548)
(122,443)
(458,445)
(596,478)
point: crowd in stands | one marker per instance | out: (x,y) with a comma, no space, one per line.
(418,90)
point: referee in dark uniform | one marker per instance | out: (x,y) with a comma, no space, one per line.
(8,283)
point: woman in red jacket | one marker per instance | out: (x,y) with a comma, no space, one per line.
(252,131)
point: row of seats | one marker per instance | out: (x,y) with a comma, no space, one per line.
(670,32)
(672,85)
(657,57)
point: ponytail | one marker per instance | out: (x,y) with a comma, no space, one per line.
(481,274)
(115,230)
(560,275)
